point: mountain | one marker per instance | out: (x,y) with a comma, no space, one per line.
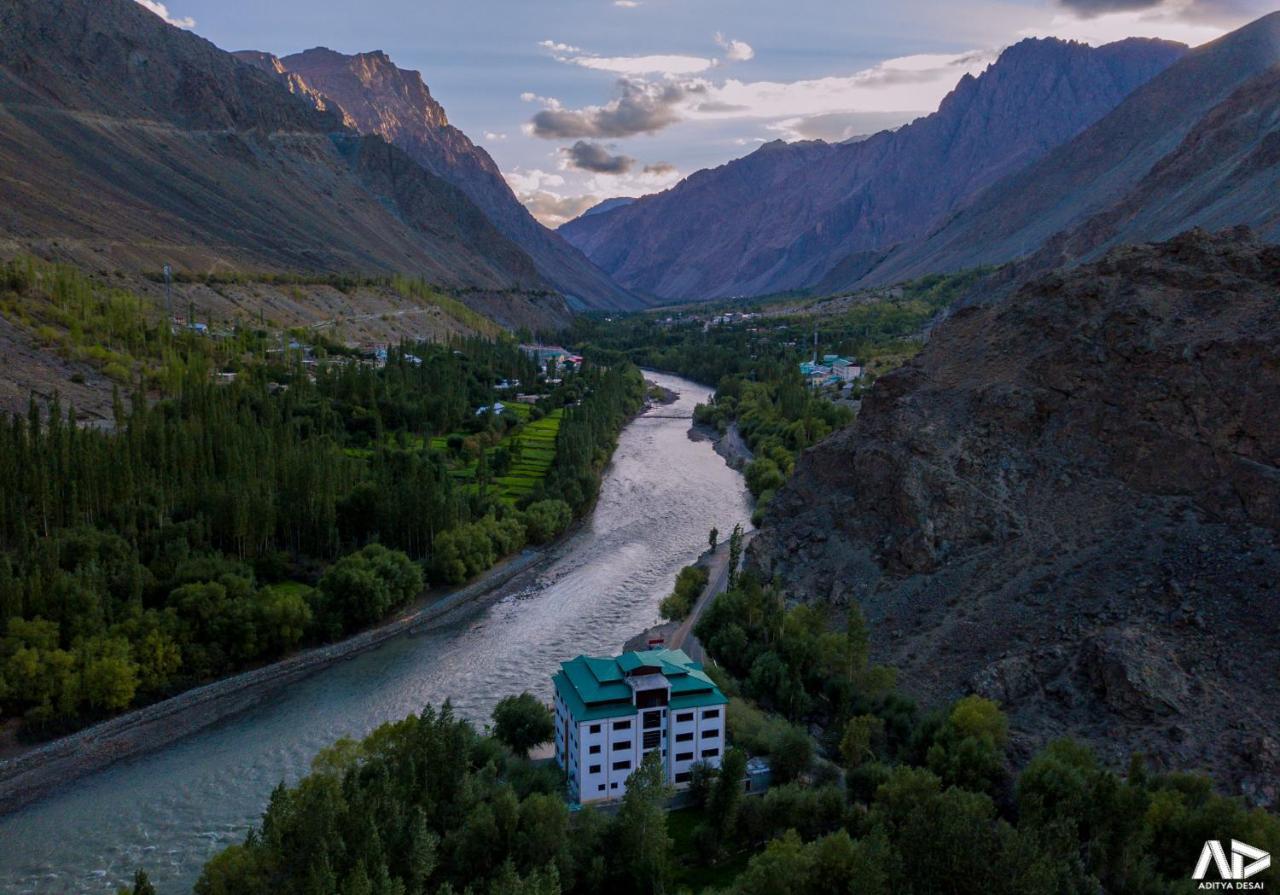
(1199,145)
(126,143)
(377,97)
(787,215)
(1070,502)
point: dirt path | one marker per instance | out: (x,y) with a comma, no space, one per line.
(717,564)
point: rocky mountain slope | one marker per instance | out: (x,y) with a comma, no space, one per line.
(1199,145)
(1070,502)
(126,143)
(377,97)
(791,216)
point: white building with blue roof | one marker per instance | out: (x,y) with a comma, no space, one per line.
(612,711)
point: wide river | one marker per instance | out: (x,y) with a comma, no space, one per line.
(169,810)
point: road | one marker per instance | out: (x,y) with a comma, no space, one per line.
(717,582)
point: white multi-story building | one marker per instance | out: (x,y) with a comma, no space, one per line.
(612,711)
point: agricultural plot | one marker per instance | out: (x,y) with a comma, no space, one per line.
(532,448)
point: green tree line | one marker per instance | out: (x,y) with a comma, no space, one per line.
(193,538)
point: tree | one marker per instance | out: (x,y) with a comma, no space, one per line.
(141,885)
(522,722)
(713,537)
(645,847)
(735,554)
(861,735)
(726,795)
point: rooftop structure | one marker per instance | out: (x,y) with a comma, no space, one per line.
(612,711)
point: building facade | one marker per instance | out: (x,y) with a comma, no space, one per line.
(610,712)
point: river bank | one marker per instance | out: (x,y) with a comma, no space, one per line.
(730,444)
(40,769)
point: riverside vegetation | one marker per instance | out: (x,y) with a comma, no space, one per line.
(754,361)
(430,805)
(229,523)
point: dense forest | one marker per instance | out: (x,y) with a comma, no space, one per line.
(291,503)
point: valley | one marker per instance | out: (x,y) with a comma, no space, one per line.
(725,450)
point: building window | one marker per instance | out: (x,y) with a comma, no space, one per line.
(594,769)
(622,725)
(712,732)
(595,728)
(613,786)
(594,750)
(711,713)
(626,765)
(684,756)
(684,737)
(684,716)
(600,788)
(621,745)
(683,777)
(710,753)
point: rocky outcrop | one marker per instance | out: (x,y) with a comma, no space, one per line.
(801,215)
(377,97)
(126,143)
(1070,502)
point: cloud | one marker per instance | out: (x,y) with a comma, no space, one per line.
(660,168)
(595,158)
(642,107)
(897,90)
(495,136)
(838,127)
(735,50)
(555,47)
(1229,13)
(162,11)
(553,210)
(626,4)
(1190,21)
(904,86)
(671,64)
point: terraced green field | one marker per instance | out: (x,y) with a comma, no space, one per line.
(533,450)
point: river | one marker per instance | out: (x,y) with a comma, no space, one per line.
(169,810)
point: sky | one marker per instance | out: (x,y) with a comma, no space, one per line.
(582,100)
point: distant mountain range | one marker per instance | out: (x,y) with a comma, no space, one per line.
(377,97)
(788,215)
(1199,145)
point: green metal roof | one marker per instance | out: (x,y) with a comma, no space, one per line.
(596,687)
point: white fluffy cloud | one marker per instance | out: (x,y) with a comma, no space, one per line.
(163,12)
(626,4)
(735,50)
(669,64)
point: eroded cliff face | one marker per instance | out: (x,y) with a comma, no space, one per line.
(1070,502)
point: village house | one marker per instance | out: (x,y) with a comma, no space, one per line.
(610,712)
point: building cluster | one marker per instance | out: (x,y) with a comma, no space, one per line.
(833,370)
(545,354)
(610,712)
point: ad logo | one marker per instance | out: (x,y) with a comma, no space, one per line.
(1233,873)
